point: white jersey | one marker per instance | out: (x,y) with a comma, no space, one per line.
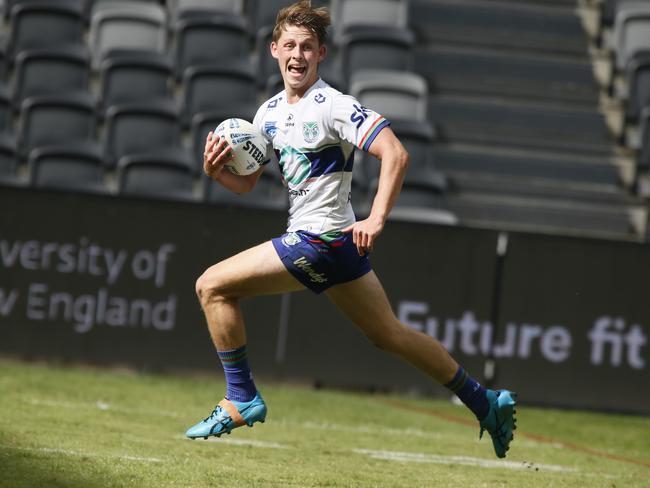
(314,140)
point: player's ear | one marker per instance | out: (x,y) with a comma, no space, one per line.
(322,52)
(274,50)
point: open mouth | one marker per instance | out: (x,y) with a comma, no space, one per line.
(296,70)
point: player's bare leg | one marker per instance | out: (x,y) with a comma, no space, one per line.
(256,271)
(364,302)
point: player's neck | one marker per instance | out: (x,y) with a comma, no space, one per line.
(294,95)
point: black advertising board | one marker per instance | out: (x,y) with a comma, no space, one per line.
(575,322)
(107,280)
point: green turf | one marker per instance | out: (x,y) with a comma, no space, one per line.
(72,427)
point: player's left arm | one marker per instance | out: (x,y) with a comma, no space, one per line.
(394,160)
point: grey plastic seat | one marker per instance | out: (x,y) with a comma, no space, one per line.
(8,159)
(377,48)
(263,12)
(158,174)
(393,94)
(210,41)
(47,71)
(6,115)
(638,76)
(45,24)
(269,193)
(56,119)
(140,128)
(123,26)
(202,8)
(74,166)
(631,33)
(644,154)
(135,76)
(348,14)
(204,122)
(218,88)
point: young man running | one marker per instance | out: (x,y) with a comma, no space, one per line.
(314,130)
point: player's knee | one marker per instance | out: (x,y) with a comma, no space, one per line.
(211,286)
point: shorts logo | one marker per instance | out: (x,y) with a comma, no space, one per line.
(304,265)
(270,128)
(310,131)
(291,239)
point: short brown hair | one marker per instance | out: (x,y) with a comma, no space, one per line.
(302,14)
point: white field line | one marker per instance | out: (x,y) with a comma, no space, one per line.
(99,405)
(367,429)
(67,452)
(418,457)
(242,442)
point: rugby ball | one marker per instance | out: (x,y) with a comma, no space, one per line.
(247,143)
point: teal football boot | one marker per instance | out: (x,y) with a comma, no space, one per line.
(229,415)
(500,421)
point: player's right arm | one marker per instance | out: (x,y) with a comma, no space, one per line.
(216,154)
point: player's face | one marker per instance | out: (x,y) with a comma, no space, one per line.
(298,53)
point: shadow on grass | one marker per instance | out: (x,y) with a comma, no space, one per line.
(29,466)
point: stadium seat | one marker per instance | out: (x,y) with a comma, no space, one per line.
(73,166)
(141,128)
(377,48)
(268,193)
(644,154)
(218,88)
(56,119)
(209,41)
(8,159)
(262,13)
(133,76)
(203,122)
(631,34)
(158,174)
(638,77)
(394,94)
(124,26)
(47,71)
(38,24)
(180,9)
(6,115)
(609,9)
(349,14)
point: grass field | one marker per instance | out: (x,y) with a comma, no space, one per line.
(78,427)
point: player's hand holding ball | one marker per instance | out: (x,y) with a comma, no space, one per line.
(235,144)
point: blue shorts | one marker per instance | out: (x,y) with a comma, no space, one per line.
(318,263)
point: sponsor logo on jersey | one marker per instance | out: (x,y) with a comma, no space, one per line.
(270,128)
(310,131)
(237,138)
(304,265)
(299,193)
(291,239)
(319,98)
(273,103)
(289,122)
(359,115)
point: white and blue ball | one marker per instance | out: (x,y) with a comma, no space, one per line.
(247,143)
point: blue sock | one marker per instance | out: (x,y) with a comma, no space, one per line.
(470,392)
(239,379)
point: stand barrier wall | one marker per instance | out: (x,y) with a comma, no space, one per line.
(107,280)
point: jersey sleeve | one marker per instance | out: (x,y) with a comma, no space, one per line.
(258,124)
(355,123)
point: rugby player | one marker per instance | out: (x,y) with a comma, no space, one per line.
(314,129)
